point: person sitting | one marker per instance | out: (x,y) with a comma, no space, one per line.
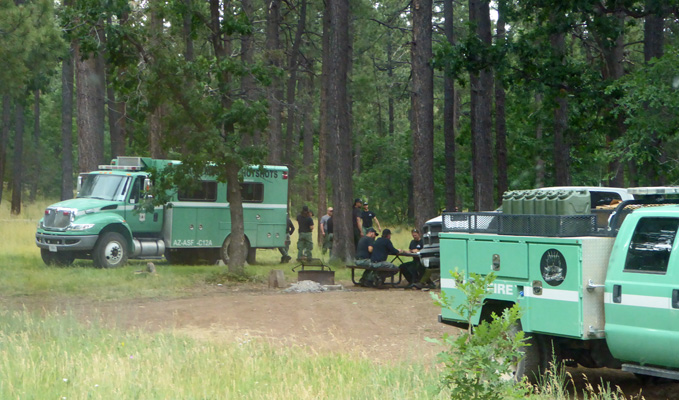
(413,270)
(381,250)
(365,248)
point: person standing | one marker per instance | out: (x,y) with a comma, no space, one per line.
(367,216)
(305,242)
(325,235)
(289,230)
(358,232)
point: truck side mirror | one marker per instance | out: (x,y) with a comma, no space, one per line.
(147,188)
(80,184)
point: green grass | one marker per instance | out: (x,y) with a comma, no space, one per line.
(24,273)
(56,357)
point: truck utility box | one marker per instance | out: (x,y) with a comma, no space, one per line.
(556,277)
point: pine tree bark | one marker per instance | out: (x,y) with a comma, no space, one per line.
(4,139)
(90,91)
(17,159)
(339,131)
(500,121)
(562,148)
(67,125)
(275,91)
(449,112)
(293,66)
(422,100)
(35,154)
(156,115)
(481,84)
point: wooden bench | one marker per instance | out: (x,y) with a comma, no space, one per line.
(392,282)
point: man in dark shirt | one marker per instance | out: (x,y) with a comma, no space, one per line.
(381,250)
(413,270)
(368,216)
(305,242)
(415,244)
(365,248)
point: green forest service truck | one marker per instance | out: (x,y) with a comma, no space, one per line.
(590,293)
(107,223)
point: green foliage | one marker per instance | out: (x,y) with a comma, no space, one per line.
(479,362)
(650,108)
(30,43)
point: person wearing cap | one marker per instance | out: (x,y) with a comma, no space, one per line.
(381,250)
(367,216)
(365,248)
(325,235)
(305,242)
(358,232)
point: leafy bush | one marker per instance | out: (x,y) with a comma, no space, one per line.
(480,362)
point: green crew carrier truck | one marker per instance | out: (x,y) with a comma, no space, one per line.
(107,223)
(593,290)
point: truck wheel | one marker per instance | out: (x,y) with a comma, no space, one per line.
(224,252)
(110,251)
(61,259)
(530,364)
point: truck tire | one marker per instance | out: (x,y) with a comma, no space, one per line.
(110,251)
(60,259)
(224,252)
(530,365)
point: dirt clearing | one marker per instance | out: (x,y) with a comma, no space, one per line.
(388,325)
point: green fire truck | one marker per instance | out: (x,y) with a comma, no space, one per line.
(598,287)
(108,223)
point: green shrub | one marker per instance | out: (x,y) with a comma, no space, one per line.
(479,363)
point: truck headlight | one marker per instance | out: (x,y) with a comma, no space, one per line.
(80,227)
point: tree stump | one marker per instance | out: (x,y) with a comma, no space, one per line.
(276,279)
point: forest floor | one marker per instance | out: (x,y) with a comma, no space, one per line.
(387,325)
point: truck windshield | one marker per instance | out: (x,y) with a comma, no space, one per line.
(103,187)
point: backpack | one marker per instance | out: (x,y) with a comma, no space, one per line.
(411,271)
(369,278)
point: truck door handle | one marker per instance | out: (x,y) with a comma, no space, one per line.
(617,294)
(675,298)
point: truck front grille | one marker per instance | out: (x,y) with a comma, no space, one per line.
(431,234)
(56,218)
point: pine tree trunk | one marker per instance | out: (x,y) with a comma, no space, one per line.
(293,66)
(449,110)
(36,153)
(336,52)
(4,139)
(275,90)
(237,251)
(17,161)
(500,122)
(562,148)
(67,125)
(90,108)
(481,84)
(422,99)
